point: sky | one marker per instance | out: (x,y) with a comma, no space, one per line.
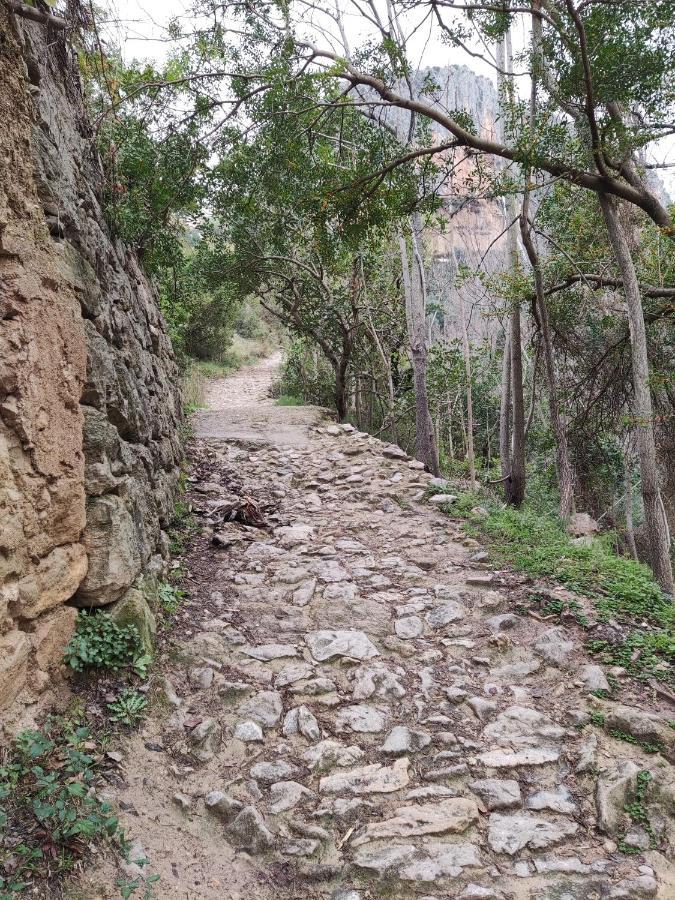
(138,27)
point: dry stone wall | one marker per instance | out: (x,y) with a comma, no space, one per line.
(89,405)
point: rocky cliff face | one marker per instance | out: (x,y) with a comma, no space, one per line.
(89,406)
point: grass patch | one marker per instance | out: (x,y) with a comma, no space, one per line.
(288,400)
(620,588)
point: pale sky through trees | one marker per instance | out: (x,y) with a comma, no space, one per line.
(139,28)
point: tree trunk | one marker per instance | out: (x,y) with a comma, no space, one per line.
(563,464)
(655,522)
(514,486)
(469,393)
(415,297)
(505,410)
(628,504)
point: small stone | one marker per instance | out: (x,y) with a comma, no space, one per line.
(286,795)
(497,793)
(362,718)
(292,673)
(182,800)
(638,837)
(301,721)
(265,708)
(402,740)
(442,499)
(248,732)
(205,739)
(269,772)
(324,645)
(484,709)
(511,833)
(249,832)
(409,627)
(587,755)
(223,806)
(594,679)
(329,754)
(440,616)
(374,779)
(300,847)
(559,801)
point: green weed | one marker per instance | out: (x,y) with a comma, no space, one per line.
(288,400)
(50,813)
(100,643)
(128,708)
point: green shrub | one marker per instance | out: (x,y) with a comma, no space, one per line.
(100,643)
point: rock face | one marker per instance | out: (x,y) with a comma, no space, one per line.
(89,407)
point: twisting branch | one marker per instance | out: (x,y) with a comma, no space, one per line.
(36,15)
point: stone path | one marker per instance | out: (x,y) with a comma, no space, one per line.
(353,710)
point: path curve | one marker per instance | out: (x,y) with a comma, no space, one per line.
(352,709)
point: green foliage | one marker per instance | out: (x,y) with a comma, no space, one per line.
(169,597)
(597,719)
(647,746)
(641,653)
(288,400)
(50,813)
(128,887)
(100,643)
(636,809)
(181,528)
(128,708)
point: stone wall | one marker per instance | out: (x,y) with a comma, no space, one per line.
(89,406)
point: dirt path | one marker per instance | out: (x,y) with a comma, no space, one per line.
(353,710)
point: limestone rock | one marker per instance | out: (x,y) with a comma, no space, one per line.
(521,726)
(265,708)
(301,721)
(503,759)
(447,816)
(133,609)
(511,833)
(497,793)
(613,790)
(285,795)
(221,805)
(328,754)
(642,725)
(559,801)
(361,718)
(442,499)
(324,645)
(409,627)
(111,543)
(440,616)
(269,772)
(594,679)
(373,779)
(205,739)
(249,831)
(401,740)
(249,732)
(555,647)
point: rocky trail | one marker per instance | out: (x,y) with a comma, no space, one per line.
(349,708)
